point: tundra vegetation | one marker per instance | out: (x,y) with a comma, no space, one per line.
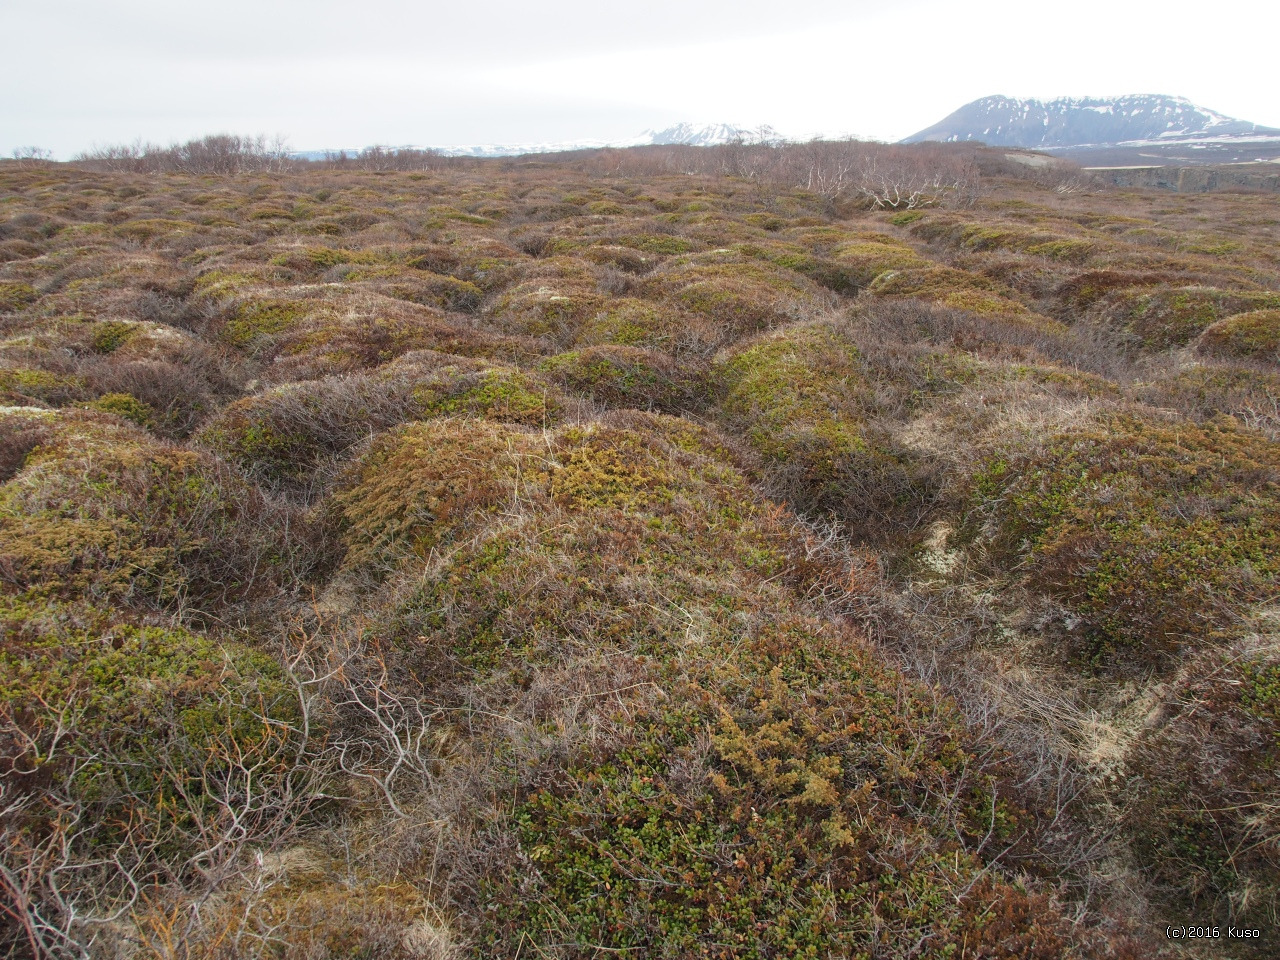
(744,552)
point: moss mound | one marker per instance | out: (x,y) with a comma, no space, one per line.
(1254,335)
(16,296)
(739,297)
(869,256)
(631,322)
(259,320)
(753,754)
(295,435)
(1209,390)
(624,376)
(960,290)
(419,484)
(23,386)
(800,397)
(1174,317)
(99,510)
(357,332)
(1015,237)
(553,301)
(1157,534)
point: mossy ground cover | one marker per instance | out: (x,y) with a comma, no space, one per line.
(1252,336)
(1174,317)
(408,422)
(1200,805)
(135,725)
(760,752)
(801,398)
(101,511)
(1160,535)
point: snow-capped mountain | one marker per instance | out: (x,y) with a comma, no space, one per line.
(1136,119)
(692,134)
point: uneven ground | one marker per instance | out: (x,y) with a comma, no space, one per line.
(506,561)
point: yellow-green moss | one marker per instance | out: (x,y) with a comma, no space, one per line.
(110,335)
(260,319)
(15,296)
(1255,335)
(102,511)
(872,255)
(501,394)
(144,711)
(420,484)
(1174,317)
(1157,534)
(127,406)
(19,385)
(623,376)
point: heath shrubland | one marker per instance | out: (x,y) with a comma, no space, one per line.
(673,552)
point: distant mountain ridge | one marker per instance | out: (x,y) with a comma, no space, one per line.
(691,134)
(1135,119)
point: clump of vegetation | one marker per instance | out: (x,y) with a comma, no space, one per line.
(740,298)
(501,394)
(872,254)
(1210,391)
(111,335)
(22,386)
(625,376)
(801,398)
(1174,317)
(553,302)
(420,484)
(1200,805)
(127,406)
(1080,292)
(1007,236)
(752,750)
(632,322)
(1157,534)
(140,728)
(257,320)
(16,296)
(1254,336)
(101,511)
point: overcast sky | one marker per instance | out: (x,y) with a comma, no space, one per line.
(349,73)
